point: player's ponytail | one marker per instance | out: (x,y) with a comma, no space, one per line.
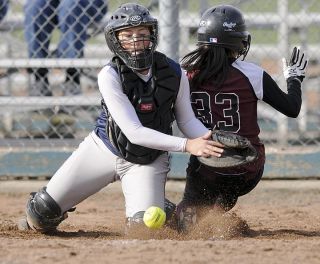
(208,64)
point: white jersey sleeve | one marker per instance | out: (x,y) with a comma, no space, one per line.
(123,113)
(254,73)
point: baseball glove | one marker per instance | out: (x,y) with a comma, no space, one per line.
(238,151)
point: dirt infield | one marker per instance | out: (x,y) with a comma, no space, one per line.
(278,222)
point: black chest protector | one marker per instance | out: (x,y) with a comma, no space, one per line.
(153,102)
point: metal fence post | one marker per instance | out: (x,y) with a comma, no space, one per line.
(169,28)
(303,34)
(283,38)
(204,5)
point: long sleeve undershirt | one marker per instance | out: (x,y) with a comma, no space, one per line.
(288,103)
(123,113)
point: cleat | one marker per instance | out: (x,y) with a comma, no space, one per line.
(187,218)
(169,208)
(23,225)
(171,214)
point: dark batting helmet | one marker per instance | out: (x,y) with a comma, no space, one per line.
(224,26)
(128,16)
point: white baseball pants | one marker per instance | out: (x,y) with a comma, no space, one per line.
(93,166)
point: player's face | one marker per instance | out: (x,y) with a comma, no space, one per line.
(135,40)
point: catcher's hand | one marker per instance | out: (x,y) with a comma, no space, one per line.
(296,66)
(237,151)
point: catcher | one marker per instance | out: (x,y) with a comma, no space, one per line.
(224,95)
(143,92)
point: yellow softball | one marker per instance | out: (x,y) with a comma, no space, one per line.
(154,217)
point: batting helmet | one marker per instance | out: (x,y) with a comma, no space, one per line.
(128,16)
(224,26)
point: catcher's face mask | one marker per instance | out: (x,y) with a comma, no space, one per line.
(132,35)
(136,44)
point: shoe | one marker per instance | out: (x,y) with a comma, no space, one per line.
(169,208)
(71,88)
(134,223)
(62,126)
(72,82)
(23,225)
(187,218)
(40,88)
(225,202)
(171,214)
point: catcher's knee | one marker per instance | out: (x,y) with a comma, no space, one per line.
(43,213)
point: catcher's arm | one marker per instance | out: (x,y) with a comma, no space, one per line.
(204,146)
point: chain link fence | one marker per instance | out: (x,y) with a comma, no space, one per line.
(51,52)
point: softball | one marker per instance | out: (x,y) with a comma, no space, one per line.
(154,217)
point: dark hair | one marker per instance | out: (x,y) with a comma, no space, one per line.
(207,63)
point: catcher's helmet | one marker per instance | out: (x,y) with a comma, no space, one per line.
(128,16)
(224,26)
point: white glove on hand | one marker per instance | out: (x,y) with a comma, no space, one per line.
(297,65)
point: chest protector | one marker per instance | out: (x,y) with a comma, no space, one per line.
(153,102)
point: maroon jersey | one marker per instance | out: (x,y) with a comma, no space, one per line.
(233,106)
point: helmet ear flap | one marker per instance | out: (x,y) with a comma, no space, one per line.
(246,47)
